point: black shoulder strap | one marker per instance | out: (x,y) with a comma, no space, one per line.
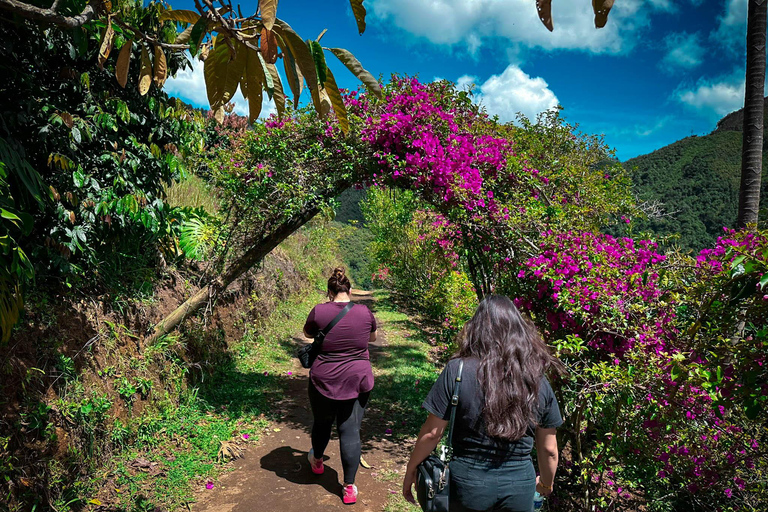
(455,403)
(321,335)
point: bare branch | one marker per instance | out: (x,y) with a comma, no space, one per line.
(49,15)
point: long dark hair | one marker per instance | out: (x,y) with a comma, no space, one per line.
(513,359)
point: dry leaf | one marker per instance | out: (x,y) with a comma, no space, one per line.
(268,12)
(145,75)
(123,63)
(161,67)
(68,120)
(268,44)
(545,13)
(106,43)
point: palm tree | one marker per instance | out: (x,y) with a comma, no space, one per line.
(752,142)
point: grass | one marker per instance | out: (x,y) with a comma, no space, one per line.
(405,372)
(192,192)
(181,443)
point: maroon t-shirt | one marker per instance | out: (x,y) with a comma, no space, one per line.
(343,369)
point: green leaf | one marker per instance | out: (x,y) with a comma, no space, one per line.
(76,134)
(9,215)
(79,178)
(196,36)
(269,83)
(676,371)
(318,56)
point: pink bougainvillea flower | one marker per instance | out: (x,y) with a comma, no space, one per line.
(289,373)
(246,436)
(209,485)
(729,493)
(266,374)
(388,432)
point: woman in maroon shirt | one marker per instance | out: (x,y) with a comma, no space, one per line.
(341,378)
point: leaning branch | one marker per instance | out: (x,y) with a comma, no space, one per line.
(49,15)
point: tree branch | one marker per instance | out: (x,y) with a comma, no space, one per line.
(48,15)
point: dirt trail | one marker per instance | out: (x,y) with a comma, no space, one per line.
(274,474)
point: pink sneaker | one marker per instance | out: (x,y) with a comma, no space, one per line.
(350,495)
(315,464)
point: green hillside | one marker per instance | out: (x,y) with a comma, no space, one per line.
(697,180)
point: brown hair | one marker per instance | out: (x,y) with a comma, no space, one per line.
(513,359)
(338,282)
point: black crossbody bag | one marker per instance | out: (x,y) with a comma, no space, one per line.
(433,476)
(308,353)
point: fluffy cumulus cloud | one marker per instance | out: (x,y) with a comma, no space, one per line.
(189,85)
(715,97)
(511,92)
(732,25)
(683,51)
(470,23)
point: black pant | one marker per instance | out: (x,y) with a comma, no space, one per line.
(480,486)
(348,416)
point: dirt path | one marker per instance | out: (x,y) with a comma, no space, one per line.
(274,474)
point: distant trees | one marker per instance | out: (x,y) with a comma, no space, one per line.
(752,146)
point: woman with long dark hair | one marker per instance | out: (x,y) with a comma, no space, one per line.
(505,402)
(341,378)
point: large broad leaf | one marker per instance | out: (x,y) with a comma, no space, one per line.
(223,71)
(321,101)
(269,84)
(123,63)
(337,102)
(253,82)
(145,74)
(601,8)
(318,56)
(278,95)
(268,12)
(183,37)
(181,15)
(106,43)
(357,69)
(292,73)
(359,11)
(197,34)
(301,53)
(161,67)
(268,45)
(545,13)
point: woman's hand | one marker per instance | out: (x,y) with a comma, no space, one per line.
(408,482)
(541,489)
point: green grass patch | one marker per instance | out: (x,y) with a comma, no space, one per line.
(181,443)
(404,373)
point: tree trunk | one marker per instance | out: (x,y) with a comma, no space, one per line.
(236,269)
(752,142)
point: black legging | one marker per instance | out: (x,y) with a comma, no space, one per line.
(348,415)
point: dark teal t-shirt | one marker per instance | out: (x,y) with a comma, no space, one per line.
(470,439)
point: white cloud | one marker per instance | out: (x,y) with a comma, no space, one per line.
(684,51)
(720,97)
(189,85)
(511,92)
(469,23)
(732,25)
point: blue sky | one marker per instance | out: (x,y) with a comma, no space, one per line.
(659,71)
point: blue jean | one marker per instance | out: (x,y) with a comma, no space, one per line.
(481,486)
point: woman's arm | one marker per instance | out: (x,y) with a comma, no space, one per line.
(546,451)
(430,434)
(372,338)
